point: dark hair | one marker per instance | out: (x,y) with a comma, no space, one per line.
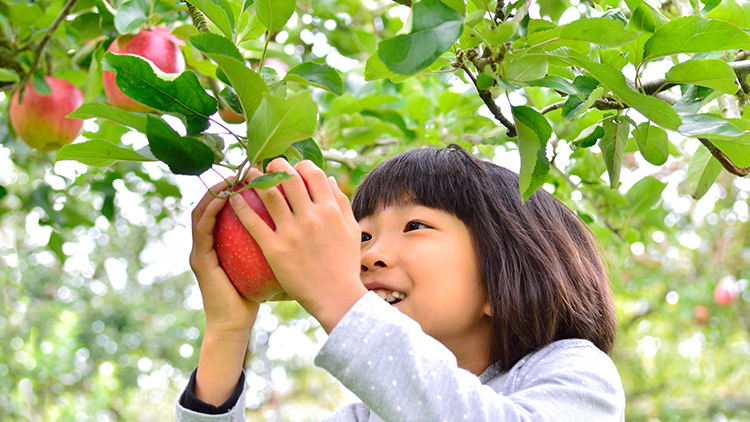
(541,268)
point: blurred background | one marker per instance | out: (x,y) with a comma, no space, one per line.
(101,319)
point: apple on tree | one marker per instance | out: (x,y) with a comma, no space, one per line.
(725,293)
(701,314)
(229,116)
(40,119)
(156,44)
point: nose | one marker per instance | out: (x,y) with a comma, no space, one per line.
(373,258)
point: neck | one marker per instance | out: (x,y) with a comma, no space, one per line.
(473,352)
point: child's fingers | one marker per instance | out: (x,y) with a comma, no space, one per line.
(317,182)
(258,229)
(207,198)
(345,206)
(294,188)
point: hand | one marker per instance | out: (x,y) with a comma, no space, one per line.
(314,250)
(229,316)
(226,310)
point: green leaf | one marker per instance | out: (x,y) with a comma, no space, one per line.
(654,109)
(136,121)
(612,145)
(3,192)
(711,73)
(274,14)
(713,127)
(267,181)
(558,83)
(318,75)
(95,83)
(98,153)
(533,133)
(527,68)
(8,75)
(309,150)
(645,194)
(737,149)
(602,31)
(278,123)
(642,20)
(131,15)
(247,84)
(585,86)
(393,117)
(485,81)
(589,136)
(181,95)
(219,12)
(703,169)
(434,30)
(652,143)
(214,142)
(183,155)
(695,34)
(735,11)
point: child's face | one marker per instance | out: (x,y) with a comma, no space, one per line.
(426,258)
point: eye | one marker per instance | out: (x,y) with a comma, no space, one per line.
(366,236)
(415,225)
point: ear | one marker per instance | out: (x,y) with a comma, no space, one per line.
(488,309)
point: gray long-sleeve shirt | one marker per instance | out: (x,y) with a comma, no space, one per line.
(401,374)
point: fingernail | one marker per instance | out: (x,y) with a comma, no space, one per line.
(236,199)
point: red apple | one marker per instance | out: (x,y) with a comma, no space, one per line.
(725,293)
(40,119)
(240,255)
(229,116)
(156,44)
(701,314)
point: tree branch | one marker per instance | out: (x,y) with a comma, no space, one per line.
(403,2)
(486,96)
(198,19)
(43,43)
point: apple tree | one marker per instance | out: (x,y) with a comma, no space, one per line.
(632,112)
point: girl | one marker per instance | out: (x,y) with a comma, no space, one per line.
(445,298)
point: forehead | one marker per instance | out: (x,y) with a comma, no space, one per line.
(406,211)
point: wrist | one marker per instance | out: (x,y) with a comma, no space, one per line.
(330,312)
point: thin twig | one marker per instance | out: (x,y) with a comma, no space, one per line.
(43,43)
(486,96)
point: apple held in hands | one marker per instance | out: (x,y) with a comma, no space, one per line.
(157,45)
(40,119)
(240,255)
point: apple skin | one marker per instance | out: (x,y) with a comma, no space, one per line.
(156,44)
(40,119)
(725,293)
(229,116)
(701,314)
(240,255)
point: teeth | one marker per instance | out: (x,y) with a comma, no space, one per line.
(390,296)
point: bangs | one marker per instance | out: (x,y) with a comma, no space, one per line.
(443,179)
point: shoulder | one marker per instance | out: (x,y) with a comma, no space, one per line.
(574,363)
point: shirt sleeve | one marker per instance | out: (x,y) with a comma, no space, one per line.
(403,374)
(190,408)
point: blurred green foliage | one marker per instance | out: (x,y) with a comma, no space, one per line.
(100,319)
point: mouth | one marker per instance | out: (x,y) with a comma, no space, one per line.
(391,296)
